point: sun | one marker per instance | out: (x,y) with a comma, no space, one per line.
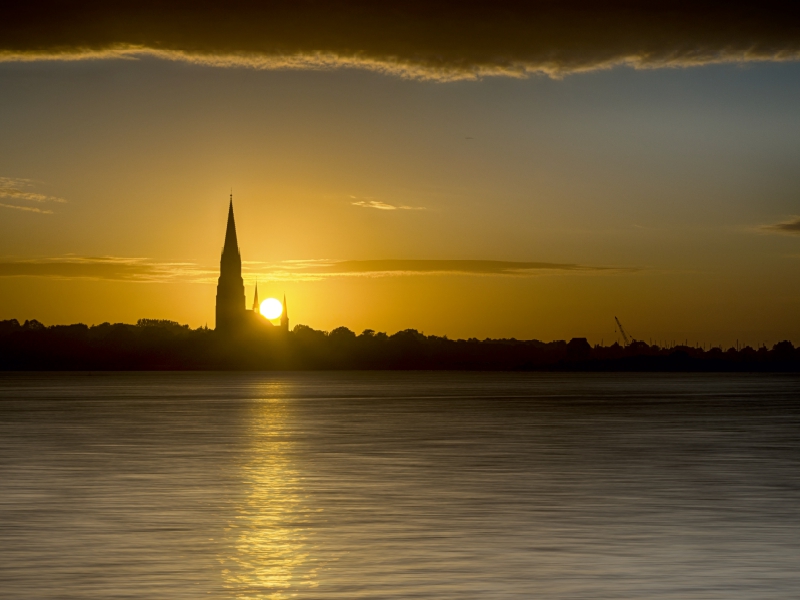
(271,308)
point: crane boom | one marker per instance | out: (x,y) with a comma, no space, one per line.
(622,331)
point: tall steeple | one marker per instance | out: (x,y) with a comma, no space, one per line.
(285,315)
(256,307)
(230,289)
(231,243)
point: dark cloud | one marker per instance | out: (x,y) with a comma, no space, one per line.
(414,38)
(791,227)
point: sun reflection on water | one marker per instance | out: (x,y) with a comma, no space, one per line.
(270,547)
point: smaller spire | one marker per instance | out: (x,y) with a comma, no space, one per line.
(256,307)
(285,315)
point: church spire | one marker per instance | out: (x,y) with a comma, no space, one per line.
(231,307)
(231,243)
(256,307)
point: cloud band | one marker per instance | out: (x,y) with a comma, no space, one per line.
(148,271)
(409,38)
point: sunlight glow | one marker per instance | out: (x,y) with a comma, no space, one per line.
(271,308)
(268,551)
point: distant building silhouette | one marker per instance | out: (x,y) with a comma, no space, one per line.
(232,314)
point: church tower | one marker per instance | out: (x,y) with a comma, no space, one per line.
(256,307)
(230,289)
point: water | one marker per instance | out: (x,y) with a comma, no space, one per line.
(399,485)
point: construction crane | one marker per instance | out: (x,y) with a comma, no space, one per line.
(624,335)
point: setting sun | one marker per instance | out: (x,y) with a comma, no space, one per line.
(271,308)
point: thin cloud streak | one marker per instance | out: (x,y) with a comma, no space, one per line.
(143,270)
(383,205)
(27,208)
(412,39)
(11,188)
(790,227)
(461,267)
(111,268)
(315,270)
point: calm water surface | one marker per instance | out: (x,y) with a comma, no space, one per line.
(400,485)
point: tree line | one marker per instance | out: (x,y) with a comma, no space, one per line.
(154,344)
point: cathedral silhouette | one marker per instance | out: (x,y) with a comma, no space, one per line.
(232,314)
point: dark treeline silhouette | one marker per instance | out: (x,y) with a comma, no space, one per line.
(166,345)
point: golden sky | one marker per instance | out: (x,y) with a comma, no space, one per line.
(504,171)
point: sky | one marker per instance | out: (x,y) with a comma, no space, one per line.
(480,172)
